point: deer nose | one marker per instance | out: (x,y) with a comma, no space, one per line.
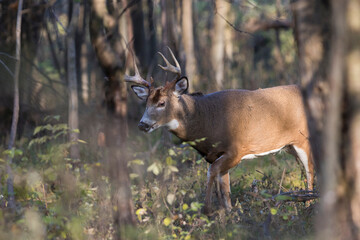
(144,126)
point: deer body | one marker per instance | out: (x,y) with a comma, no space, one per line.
(235,125)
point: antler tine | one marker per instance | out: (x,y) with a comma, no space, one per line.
(137,78)
(169,67)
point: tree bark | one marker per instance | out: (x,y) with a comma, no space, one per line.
(330,59)
(72,81)
(218,43)
(110,51)
(188,42)
(15,118)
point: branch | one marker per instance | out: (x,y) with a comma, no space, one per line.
(296,196)
(7,68)
(230,24)
(254,25)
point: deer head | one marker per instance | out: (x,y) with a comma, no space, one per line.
(161,102)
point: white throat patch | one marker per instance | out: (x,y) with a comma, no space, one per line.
(173,124)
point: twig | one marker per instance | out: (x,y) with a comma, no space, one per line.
(8,55)
(229,23)
(44,193)
(7,68)
(281,181)
(58,20)
(233,26)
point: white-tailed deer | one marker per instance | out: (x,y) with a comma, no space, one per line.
(236,124)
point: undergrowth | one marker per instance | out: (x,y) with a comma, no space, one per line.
(62,198)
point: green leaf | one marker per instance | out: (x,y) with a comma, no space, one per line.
(185,207)
(167,221)
(82,141)
(140,212)
(264,194)
(282,198)
(273,211)
(18,152)
(169,160)
(37,130)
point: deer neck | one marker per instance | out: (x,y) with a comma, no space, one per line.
(188,117)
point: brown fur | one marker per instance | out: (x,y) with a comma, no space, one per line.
(236,123)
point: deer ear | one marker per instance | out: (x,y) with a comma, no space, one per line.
(181,86)
(141,92)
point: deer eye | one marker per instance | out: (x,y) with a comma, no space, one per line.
(161,104)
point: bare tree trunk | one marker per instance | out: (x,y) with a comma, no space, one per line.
(218,42)
(138,29)
(110,51)
(188,41)
(330,77)
(72,82)
(152,29)
(280,66)
(15,118)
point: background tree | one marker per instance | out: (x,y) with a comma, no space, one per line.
(328,57)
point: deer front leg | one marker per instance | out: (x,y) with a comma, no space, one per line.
(219,169)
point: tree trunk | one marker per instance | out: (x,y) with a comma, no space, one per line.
(140,44)
(110,51)
(188,41)
(330,70)
(15,118)
(218,43)
(72,82)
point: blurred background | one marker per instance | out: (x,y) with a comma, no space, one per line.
(73,164)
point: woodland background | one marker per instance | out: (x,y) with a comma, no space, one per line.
(73,164)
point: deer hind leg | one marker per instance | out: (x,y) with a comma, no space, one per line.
(219,170)
(224,180)
(303,153)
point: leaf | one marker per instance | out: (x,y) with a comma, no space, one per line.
(185,207)
(169,160)
(154,168)
(133,175)
(140,212)
(264,194)
(75,130)
(135,162)
(18,152)
(82,141)
(282,198)
(173,169)
(273,211)
(170,198)
(172,152)
(167,221)
(37,130)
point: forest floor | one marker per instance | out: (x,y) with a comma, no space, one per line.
(62,198)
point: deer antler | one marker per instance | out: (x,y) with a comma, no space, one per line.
(137,78)
(169,67)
